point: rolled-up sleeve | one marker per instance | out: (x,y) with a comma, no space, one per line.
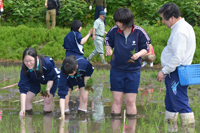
(109,39)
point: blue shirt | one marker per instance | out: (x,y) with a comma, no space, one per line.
(72,44)
(84,68)
(123,46)
(50,72)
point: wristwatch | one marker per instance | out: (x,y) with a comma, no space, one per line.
(163,73)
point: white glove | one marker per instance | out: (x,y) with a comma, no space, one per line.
(105,10)
(90,7)
(1,9)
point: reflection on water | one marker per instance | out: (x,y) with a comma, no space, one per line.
(127,128)
(97,104)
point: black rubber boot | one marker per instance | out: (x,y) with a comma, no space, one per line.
(67,113)
(116,116)
(29,112)
(47,112)
(131,116)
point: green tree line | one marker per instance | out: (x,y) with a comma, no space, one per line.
(19,12)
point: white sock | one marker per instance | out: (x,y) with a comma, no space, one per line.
(144,63)
(82,110)
(151,64)
(67,110)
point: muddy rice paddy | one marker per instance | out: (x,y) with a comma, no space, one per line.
(150,106)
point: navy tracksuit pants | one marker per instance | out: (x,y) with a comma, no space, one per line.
(176,99)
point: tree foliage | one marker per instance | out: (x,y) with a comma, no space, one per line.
(18,12)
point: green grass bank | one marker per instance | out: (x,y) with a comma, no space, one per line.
(14,40)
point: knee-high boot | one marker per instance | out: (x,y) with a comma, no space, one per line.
(171,121)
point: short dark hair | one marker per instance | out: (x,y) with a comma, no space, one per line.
(76,24)
(32,52)
(125,16)
(69,65)
(169,10)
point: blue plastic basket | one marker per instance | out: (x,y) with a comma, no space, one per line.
(189,75)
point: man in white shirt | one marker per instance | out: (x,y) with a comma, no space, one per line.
(180,50)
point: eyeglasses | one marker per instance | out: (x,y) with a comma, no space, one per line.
(30,61)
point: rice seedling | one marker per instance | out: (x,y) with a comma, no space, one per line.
(89,84)
(131,60)
(44,91)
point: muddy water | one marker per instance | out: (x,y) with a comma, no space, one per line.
(97,120)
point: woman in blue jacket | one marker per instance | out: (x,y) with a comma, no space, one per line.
(36,70)
(130,42)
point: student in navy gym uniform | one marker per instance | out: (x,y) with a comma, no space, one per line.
(73,41)
(74,71)
(125,38)
(37,70)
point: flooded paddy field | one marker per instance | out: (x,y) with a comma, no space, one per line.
(150,107)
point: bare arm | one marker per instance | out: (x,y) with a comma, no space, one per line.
(62,108)
(23,104)
(139,54)
(93,37)
(108,50)
(49,86)
(83,40)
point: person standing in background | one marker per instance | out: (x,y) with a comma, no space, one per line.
(179,51)
(51,6)
(98,37)
(100,6)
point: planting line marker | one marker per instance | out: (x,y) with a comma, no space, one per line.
(124,131)
(39,101)
(9,86)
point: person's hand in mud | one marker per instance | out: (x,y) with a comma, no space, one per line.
(62,117)
(108,50)
(160,76)
(22,113)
